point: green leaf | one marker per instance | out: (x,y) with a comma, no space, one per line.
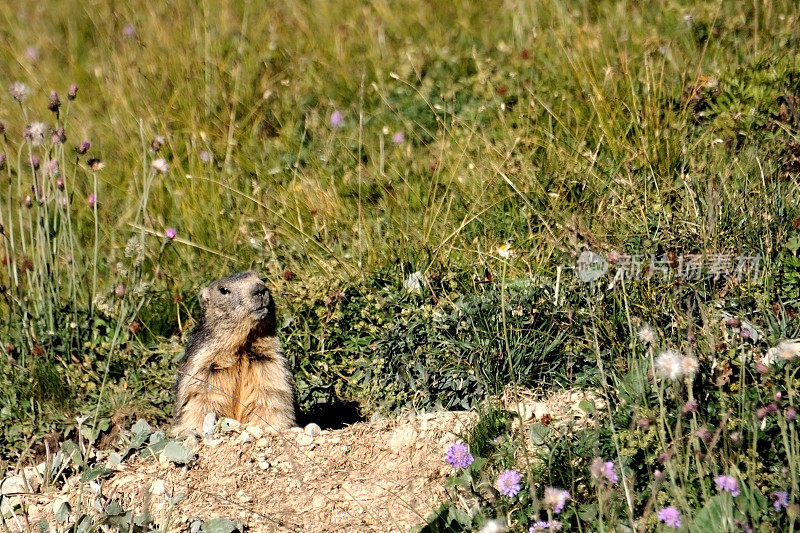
(70,449)
(178,453)
(113,509)
(43,526)
(538,434)
(587,407)
(62,510)
(94,473)
(221,525)
(710,516)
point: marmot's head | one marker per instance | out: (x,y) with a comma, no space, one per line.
(238,307)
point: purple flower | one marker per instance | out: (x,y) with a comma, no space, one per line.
(543,525)
(781,500)
(337,119)
(51,168)
(727,483)
(670,516)
(83,148)
(170,233)
(690,407)
(508,482)
(34,162)
(555,498)
(92,200)
(458,455)
(603,471)
(128,31)
(55,102)
(73,92)
(2,160)
(791,413)
(206,157)
(59,136)
(398,137)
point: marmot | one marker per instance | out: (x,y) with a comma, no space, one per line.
(233,365)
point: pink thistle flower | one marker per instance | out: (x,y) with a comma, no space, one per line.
(791,413)
(73,92)
(34,161)
(170,233)
(59,136)
(508,482)
(83,148)
(19,91)
(92,200)
(555,498)
(603,471)
(2,161)
(398,137)
(337,119)
(55,102)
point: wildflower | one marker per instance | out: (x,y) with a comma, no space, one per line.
(505,251)
(157,143)
(2,160)
(170,233)
(51,168)
(28,201)
(781,500)
(337,119)
(2,127)
(206,157)
(55,102)
(728,484)
(128,31)
(670,516)
(398,137)
(689,366)
(19,91)
(543,525)
(555,498)
(83,148)
(34,161)
(493,526)
(32,53)
(603,471)
(92,200)
(647,334)
(160,165)
(508,482)
(703,434)
(73,92)
(35,133)
(791,414)
(458,455)
(786,350)
(761,367)
(59,136)
(60,184)
(658,474)
(120,290)
(690,407)
(669,364)
(95,164)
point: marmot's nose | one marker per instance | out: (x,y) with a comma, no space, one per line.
(260,292)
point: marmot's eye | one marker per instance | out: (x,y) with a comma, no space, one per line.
(223,290)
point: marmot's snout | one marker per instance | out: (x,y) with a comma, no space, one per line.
(260,298)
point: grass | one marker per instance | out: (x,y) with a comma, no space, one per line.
(552,127)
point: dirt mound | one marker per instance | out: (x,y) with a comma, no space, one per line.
(385,475)
(377,476)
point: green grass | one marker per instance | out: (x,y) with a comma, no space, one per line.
(637,127)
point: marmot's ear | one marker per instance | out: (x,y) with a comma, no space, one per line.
(203,297)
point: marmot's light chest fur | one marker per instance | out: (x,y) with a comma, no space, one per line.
(233,364)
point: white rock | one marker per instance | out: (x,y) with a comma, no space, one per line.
(157,488)
(312,429)
(244,437)
(263,465)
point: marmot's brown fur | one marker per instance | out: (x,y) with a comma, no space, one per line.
(233,365)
